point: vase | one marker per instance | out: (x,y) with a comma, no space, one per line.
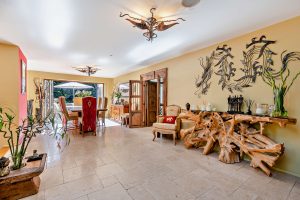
(187,106)
(279,110)
(17,161)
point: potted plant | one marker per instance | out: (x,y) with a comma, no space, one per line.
(19,136)
(281,89)
(117,94)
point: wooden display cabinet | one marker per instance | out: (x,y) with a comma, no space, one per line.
(117,111)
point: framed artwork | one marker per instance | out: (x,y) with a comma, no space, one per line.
(23,77)
(124,89)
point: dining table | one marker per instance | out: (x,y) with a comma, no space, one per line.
(78,109)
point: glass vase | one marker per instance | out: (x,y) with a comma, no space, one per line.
(17,161)
(279,110)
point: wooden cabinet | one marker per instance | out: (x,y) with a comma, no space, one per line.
(117,111)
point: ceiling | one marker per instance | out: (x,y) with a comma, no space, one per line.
(56,35)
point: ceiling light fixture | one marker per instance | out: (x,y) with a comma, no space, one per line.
(151,24)
(89,70)
(189,3)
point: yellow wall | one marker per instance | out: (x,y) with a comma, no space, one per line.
(108,82)
(9,76)
(183,70)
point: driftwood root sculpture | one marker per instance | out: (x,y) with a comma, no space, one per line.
(237,135)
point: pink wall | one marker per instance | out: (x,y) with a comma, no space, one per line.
(22,97)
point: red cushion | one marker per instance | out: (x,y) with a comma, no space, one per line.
(169,119)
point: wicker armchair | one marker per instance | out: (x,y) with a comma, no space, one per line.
(167,128)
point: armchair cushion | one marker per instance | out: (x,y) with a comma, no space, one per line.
(165,126)
(169,119)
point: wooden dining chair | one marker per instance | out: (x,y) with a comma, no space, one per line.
(100,101)
(88,120)
(67,116)
(101,114)
(77,101)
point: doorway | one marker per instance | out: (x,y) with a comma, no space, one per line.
(148,98)
(155,95)
(151,102)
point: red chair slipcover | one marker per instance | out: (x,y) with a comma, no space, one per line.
(89,114)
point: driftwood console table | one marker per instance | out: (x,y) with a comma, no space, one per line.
(236,135)
(22,182)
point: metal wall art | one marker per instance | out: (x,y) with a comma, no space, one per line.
(257,62)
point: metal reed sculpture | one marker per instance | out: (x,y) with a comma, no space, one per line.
(257,62)
(151,24)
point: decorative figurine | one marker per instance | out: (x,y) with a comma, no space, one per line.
(188,106)
(235,104)
(249,104)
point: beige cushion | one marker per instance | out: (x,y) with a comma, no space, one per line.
(172,110)
(165,126)
(186,123)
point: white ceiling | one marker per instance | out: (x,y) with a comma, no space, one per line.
(56,35)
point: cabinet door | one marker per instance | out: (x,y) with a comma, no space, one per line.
(135,103)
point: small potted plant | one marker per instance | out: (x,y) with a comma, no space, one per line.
(117,94)
(281,89)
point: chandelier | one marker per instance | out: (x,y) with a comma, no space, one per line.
(151,24)
(89,70)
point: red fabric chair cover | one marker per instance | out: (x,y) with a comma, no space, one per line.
(89,114)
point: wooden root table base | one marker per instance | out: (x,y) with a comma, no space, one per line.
(236,135)
(23,182)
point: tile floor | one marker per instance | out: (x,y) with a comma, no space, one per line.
(123,163)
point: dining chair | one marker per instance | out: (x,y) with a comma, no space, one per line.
(77,101)
(88,120)
(100,101)
(101,114)
(67,116)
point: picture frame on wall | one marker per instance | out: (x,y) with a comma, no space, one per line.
(23,77)
(124,89)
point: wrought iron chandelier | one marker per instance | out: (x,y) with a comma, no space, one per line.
(89,70)
(151,24)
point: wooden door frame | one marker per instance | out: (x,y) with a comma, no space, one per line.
(131,112)
(157,74)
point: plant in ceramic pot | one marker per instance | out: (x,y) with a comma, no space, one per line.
(116,94)
(83,93)
(281,89)
(19,136)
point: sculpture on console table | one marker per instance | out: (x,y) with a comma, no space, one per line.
(236,135)
(235,104)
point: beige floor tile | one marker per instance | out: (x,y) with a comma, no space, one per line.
(114,192)
(164,189)
(85,197)
(57,192)
(51,177)
(214,194)
(108,181)
(108,170)
(123,163)
(196,182)
(77,172)
(245,195)
(139,192)
(83,186)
